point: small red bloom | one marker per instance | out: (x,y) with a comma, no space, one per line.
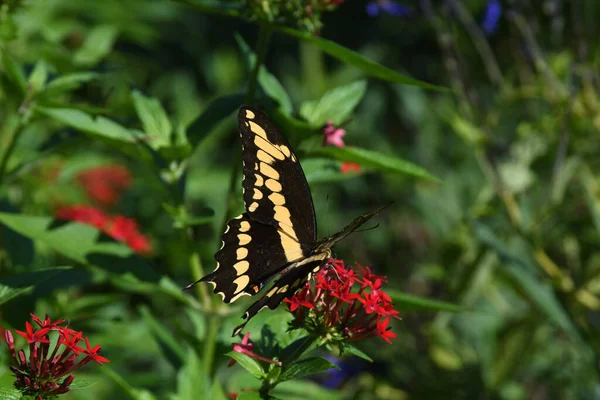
(246,348)
(118,227)
(104,184)
(348,166)
(333,135)
(48,372)
(346,305)
(33,336)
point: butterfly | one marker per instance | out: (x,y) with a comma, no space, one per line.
(277,234)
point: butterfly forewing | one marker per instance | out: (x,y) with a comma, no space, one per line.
(275,189)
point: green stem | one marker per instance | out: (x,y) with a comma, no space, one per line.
(210,343)
(10,147)
(261,51)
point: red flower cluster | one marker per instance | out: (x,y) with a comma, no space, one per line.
(348,166)
(344,305)
(118,227)
(48,373)
(105,183)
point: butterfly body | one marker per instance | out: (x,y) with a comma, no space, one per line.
(277,235)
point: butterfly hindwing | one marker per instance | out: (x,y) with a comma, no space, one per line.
(250,256)
(283,288)
(275,189)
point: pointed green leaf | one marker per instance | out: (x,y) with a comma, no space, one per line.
(38,77)
(216,391)
(10,393)
(82,383)
(308,366)
(336,105)
(353,350)
(267,81)
(154,119)
(409,302)
(98,44)
(353,58)
(248,363)
(13,71)
(217,111)
(373,159)
(97,126)
(172,349)
(15,285)
(69,82)
(191,380)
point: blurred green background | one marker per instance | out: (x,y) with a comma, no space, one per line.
(511,232)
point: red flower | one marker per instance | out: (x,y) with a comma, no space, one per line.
(333,135)
(118,227)
(48,373)
(246,348)
(348,166)
(105,183)
(343,305)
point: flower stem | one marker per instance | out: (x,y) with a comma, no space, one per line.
(10,147)
(210,342)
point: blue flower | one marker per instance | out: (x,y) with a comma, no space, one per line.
(493,12)
(389,7)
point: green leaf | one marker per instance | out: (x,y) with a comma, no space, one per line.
(39,75)
(370,158)
(98,44)
(267,81)
(172,349)
(217,111)
(353,58)
(251,396)
(248,363)
(191,380)
(10,393)
(69,82)
(353,350)
(409,302)
(98,126)
(82,383)
(80,243)
(15,285)
(216,391)
(154,119)
(13,71)
(538,294)
(308,366)
(335,105)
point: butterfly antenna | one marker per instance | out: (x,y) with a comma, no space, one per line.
(366,229)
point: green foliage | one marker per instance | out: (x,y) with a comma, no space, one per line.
(490,246)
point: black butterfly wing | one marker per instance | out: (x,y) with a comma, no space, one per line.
(275,189)
(283,288)
(251,254)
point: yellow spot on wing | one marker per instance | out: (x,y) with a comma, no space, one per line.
(257,194)
(249,114)
(291,247)
(241,266)
(259,180)
(270,148)
(254,127)
(285,150)
(244,239)
(273,185)
(241,283)
(268,171)
(253,207)
(241,253)
(264,157)
(277,199)
(244,226)
(283,289)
